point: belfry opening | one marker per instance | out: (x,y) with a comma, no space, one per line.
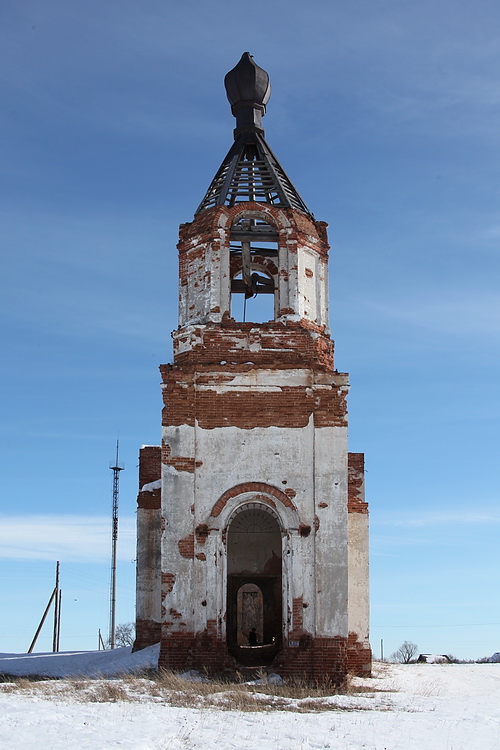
(253,265)
(252,523)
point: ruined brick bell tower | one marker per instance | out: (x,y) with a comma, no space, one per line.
(252,523)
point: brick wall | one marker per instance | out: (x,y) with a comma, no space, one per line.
(359,656)
(149,464)
(356,483)
(190,393)
(273,344)
(148,629)
(147,633)
(316,660)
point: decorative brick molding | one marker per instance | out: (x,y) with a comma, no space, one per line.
(292,225)
(241,489)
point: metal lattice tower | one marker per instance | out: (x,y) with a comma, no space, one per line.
(250,171)
(116,467)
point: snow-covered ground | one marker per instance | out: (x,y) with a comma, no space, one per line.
(403,707)
(80,663)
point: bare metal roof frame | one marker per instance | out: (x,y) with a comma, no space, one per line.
(250,170)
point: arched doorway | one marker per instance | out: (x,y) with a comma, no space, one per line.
(254,574)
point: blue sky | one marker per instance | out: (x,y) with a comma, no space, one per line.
(385,114)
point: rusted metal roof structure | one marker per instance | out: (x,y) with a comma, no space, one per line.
(250,171)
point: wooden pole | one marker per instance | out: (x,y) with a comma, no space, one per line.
(59,620)
(56,611)
(41,622)
(101,642)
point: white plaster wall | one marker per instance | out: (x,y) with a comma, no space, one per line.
(277,456)
(359,599)
(208,285)
(148,585)
(220,281)
(312,462)
(307,285)
(331,539)
(177,498)
(322,294)
(287,287)
(194,297)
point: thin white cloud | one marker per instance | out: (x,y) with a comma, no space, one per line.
(64,537)
(430,519)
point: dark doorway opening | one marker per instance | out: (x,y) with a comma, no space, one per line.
(254,585)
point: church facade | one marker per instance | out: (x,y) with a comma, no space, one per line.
(252,526)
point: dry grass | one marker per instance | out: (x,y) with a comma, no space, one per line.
(172,689)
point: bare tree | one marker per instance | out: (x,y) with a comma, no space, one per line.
(405,653)
(125,634)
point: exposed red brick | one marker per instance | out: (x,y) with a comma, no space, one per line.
(147,633)
(149,500)
(191,394)
(260,408)
(186,546)
(167,583)
(149,464)
(180,463)
(316,660)
(259,487)
(202,531)
(356,484)
(359,656)
(206,226)
(272,345)
(297,619)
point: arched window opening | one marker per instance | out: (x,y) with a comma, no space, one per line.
(253,262)
(249,616)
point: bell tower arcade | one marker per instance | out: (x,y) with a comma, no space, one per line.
(252,522)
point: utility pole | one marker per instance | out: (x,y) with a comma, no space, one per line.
(57,602)
(59,621)
(116,468)
(55,596)
(101,646)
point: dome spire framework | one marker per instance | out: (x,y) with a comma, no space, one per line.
(250,170)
